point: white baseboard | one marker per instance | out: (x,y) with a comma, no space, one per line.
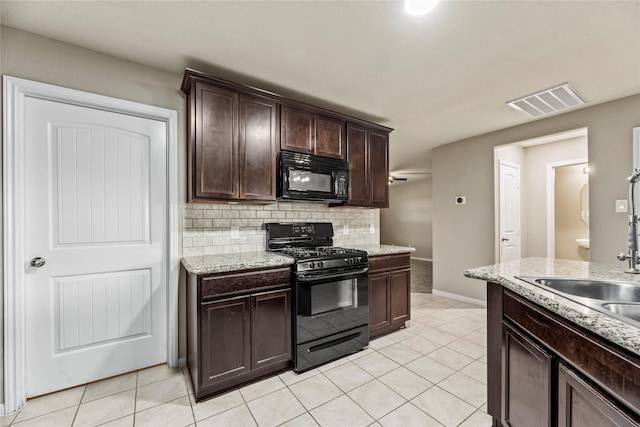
(474,301)
(182,362)
(422,259)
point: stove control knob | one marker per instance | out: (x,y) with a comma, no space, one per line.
(320,264)
(311,265)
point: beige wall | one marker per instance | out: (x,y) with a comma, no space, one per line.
(1,247)
(569,226)
(29,56)
(535,184)
(407,221)
(464,238)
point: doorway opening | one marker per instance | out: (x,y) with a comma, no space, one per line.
(553,203)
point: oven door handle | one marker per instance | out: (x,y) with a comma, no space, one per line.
(302,277)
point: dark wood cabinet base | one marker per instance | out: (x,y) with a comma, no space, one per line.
(545,371)
(238,328)
(205,393)
(389,293)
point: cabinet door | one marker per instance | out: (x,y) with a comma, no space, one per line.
(270,328)
(581,405)
(215,152)
(379,316)
(379,169)
(330,137)
(357,156)
(527,381)
(296,130)
(257,148)
(400,296)
(225,339)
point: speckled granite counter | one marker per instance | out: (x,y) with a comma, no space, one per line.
(210,264)
(623,334)
(373,250)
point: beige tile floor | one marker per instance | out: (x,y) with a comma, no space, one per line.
(430,374)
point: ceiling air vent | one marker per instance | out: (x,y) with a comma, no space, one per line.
(548,101)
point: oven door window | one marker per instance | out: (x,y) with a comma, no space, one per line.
(326,297)
(333,296)
(301,180)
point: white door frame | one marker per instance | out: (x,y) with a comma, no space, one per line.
(16,91)
(551,203)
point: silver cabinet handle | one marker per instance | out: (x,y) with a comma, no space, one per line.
(38,262)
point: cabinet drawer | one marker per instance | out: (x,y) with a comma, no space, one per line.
(228,284)
(389,262)
(616,371)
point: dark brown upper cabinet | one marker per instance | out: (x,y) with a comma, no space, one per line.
(306,132)
(235,133)
(257,148)
(232,145)
(368,157)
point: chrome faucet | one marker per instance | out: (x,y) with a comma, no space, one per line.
(632,253)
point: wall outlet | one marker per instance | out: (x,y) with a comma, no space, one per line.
(372,229)
(235,232)
(461,200)
(345,229)
(622,206)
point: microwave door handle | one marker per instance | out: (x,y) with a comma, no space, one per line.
(310,278)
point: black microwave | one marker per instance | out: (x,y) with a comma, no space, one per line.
(314,178)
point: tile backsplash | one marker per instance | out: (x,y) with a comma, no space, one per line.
(211,229)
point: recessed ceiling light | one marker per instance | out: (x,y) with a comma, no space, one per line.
(419,7)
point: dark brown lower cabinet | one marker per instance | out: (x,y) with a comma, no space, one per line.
(527,381)
(582,405)
(546,371)
(238,328)
(389,293)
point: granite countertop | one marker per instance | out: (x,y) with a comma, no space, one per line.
(373,250)
(616,331)
(211,264)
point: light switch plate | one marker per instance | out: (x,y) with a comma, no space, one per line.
(622,206)
(372,229)
(345,229)
(235,232)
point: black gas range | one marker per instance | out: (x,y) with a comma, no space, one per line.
(330,292)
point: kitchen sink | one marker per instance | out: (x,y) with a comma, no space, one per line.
(595,289)
(630,310)
(620,299)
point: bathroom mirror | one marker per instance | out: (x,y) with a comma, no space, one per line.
(584,203)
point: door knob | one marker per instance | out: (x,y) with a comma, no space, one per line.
(38,262)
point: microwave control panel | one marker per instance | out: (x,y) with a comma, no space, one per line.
(342,184)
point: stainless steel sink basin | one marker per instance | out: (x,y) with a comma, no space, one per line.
(616,298)
(595,289)
(630,310)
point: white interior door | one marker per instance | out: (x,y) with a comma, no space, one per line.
(510,246)
(95,203)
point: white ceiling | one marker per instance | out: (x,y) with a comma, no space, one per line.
(435,79)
